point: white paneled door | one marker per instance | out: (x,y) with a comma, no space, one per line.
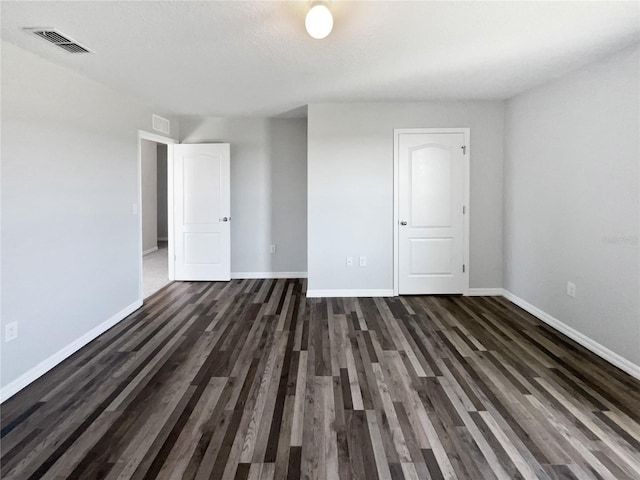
(202,216)
(431,184)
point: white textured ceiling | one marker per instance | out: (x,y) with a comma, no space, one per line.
(242,58)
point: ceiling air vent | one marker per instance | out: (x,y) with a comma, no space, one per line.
(59,39)
(160,124)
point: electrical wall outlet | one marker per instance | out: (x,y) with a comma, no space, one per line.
(134,209)
(273,249)
(10,331)
(571,289)
(349,261)
(363,261)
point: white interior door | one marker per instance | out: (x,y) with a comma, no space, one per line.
(202,211)
(431,241)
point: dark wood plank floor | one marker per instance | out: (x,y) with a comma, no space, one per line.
(251,380)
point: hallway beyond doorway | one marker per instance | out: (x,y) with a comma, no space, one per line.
(155,266)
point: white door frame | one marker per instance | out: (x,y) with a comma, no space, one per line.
(169,142)
(396,199)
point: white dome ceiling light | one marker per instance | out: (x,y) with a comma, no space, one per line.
(319,21)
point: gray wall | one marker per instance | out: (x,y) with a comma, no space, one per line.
(163,230)
(149,161)
(268,188)
(572,157)
(350,183)
(70,245)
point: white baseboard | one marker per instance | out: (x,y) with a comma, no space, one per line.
(485,292)
(251,275)
(350,293)
(600,350)
(43,367)
(151,250)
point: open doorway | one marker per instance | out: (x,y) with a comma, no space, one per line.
(155,250)
(155,227)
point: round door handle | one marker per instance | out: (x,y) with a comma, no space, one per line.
(225,219)
(403,223)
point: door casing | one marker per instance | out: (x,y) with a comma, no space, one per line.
(396,199)
(169,142)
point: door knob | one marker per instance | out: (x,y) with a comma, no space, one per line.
(403,223)
(225,219)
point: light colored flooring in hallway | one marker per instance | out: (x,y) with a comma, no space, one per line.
(248,379)
(155,270)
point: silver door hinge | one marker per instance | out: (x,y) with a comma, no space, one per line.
(464,149)
(464,209)
(463,268)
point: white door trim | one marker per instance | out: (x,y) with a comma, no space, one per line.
(153,137)
(396,198)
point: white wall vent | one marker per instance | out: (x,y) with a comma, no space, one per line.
(59,39)
(160,124)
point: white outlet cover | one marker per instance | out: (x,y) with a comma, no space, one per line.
(349,261)
(363,261)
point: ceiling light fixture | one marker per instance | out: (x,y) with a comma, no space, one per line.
(319,21)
